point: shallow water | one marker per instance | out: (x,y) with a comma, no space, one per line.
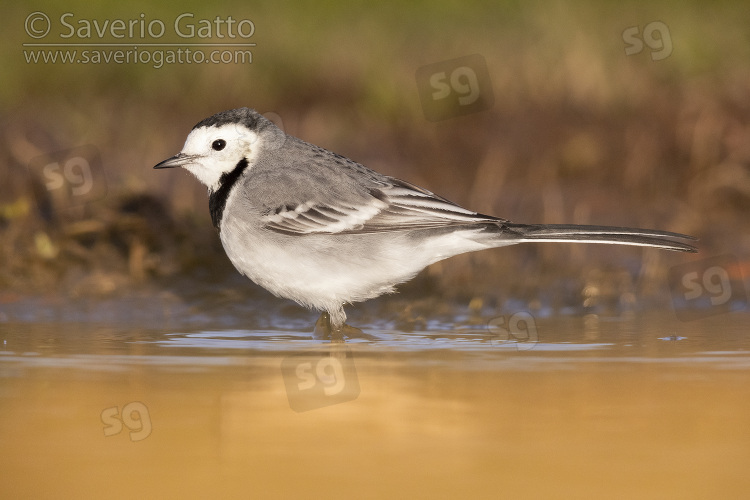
(645,406)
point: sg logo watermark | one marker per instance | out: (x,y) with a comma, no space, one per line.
(72,177)
(661,45)
(455,87)
(707,287)
(518,331)
(135,417)
(321,378)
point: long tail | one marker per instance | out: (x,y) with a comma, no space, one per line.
(599,234)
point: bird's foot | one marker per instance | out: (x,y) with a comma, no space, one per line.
(324,330)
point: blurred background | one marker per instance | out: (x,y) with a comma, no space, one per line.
(633,114)
(539,371)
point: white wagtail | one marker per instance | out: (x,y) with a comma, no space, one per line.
(318,228)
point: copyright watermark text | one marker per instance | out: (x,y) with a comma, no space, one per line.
(185,39)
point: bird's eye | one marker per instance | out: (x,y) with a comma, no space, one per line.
(218,144)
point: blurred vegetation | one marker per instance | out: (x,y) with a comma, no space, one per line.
(579,132)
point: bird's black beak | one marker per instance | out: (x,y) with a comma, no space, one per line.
(177,160)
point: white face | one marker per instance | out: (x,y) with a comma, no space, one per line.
(211,152)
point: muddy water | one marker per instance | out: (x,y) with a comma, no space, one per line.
(641,407)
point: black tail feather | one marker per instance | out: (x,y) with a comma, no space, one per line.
(601,234)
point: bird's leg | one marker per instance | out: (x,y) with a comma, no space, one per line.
(351,332)
(325,330)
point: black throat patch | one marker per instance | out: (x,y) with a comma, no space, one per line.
(217,200)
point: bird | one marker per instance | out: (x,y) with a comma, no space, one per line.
(315,227)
